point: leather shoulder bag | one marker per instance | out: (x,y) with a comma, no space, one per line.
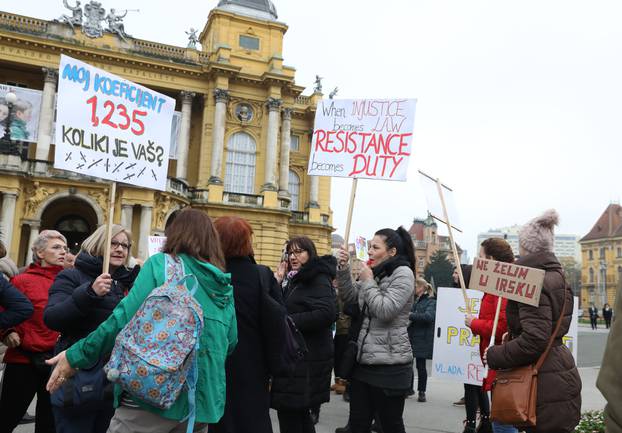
(515,390)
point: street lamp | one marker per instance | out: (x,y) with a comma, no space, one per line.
(7,146)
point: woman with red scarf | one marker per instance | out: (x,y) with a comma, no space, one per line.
(500,250)
(31,342)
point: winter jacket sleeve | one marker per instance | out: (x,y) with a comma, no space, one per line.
(386,304)
(536,323)
(69,302)
(425,316)
(88,350)
(322,306)
(347,289)
(483,327)
(17,307)
(232,335)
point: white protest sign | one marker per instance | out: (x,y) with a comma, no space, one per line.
(456,348)
(571,339)
(508,280)
(111,128)
(155,244)
(366,138)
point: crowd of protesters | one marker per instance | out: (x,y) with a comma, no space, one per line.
(265,338)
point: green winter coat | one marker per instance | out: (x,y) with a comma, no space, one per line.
(219,337)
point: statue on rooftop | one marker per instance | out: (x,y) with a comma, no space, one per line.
(193,39)
(76,15)
(115,24)
(318,84)
(332,94)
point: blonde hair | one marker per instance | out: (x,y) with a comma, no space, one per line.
(95,245)
(42,242)
(423,283)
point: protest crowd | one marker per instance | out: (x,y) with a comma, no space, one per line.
(201,338)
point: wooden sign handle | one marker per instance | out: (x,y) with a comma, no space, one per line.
(111,200)
(495,322)
(453,247)
(350,209)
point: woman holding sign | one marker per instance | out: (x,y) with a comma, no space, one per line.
(80,300)
(530,330)
(501,251)
(383,372)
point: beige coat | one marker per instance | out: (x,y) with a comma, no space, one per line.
(609,379)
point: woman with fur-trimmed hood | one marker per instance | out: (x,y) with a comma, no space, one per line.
(530,328)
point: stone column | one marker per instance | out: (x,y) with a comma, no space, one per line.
(218,133)
(286,138)
(144,231)
(274,107)
(127,215)
(7,217)
(183,140)
(34,232)
(46,117)
(314,192)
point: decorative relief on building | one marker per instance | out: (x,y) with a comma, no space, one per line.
(245,112)
(101,197)
(36,195)
(162,208)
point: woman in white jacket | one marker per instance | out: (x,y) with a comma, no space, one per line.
(381,378)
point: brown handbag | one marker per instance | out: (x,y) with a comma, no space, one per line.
(515,390)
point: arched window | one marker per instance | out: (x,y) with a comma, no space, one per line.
(240,169)
(294,189)
(591,275)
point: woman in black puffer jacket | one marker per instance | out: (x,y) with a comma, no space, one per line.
(312,304)
(80,300)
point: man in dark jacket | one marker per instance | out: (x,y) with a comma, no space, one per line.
(16,306)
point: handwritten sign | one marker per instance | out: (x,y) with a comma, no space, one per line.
(155,244)
(111,128)
(510,281)
(367,138)
(456,348)
(360,246)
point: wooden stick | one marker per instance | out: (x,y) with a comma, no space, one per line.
(453,247)
(494,324)
(111,199)
(350,209)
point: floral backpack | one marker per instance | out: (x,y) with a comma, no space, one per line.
(155,354)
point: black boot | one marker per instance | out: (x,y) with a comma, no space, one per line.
(421,397)
(345,429)
(469,427)
(485,426)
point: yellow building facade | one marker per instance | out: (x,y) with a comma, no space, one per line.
(242,146)
(601,254)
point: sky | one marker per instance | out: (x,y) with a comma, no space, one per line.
(518,103)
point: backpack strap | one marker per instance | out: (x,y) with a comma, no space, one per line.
(191,380)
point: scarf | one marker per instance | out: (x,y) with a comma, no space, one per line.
(386,268)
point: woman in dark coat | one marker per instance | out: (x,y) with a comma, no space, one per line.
(311,303)
(247,409)
(530,328)
(607,315)
(81,299)
(421,331)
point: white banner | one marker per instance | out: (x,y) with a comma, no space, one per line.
(155,244)
(111,128)
(456,349)
(366,138)
(24,113)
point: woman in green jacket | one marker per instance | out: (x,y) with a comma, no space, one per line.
(191,237)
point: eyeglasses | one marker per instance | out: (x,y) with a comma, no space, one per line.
(297,252)
(117,244)
(60,247)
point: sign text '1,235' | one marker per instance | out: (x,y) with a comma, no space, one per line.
(117,116)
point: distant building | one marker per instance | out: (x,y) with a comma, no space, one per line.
(427,241)
(601,251)
(566,246)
